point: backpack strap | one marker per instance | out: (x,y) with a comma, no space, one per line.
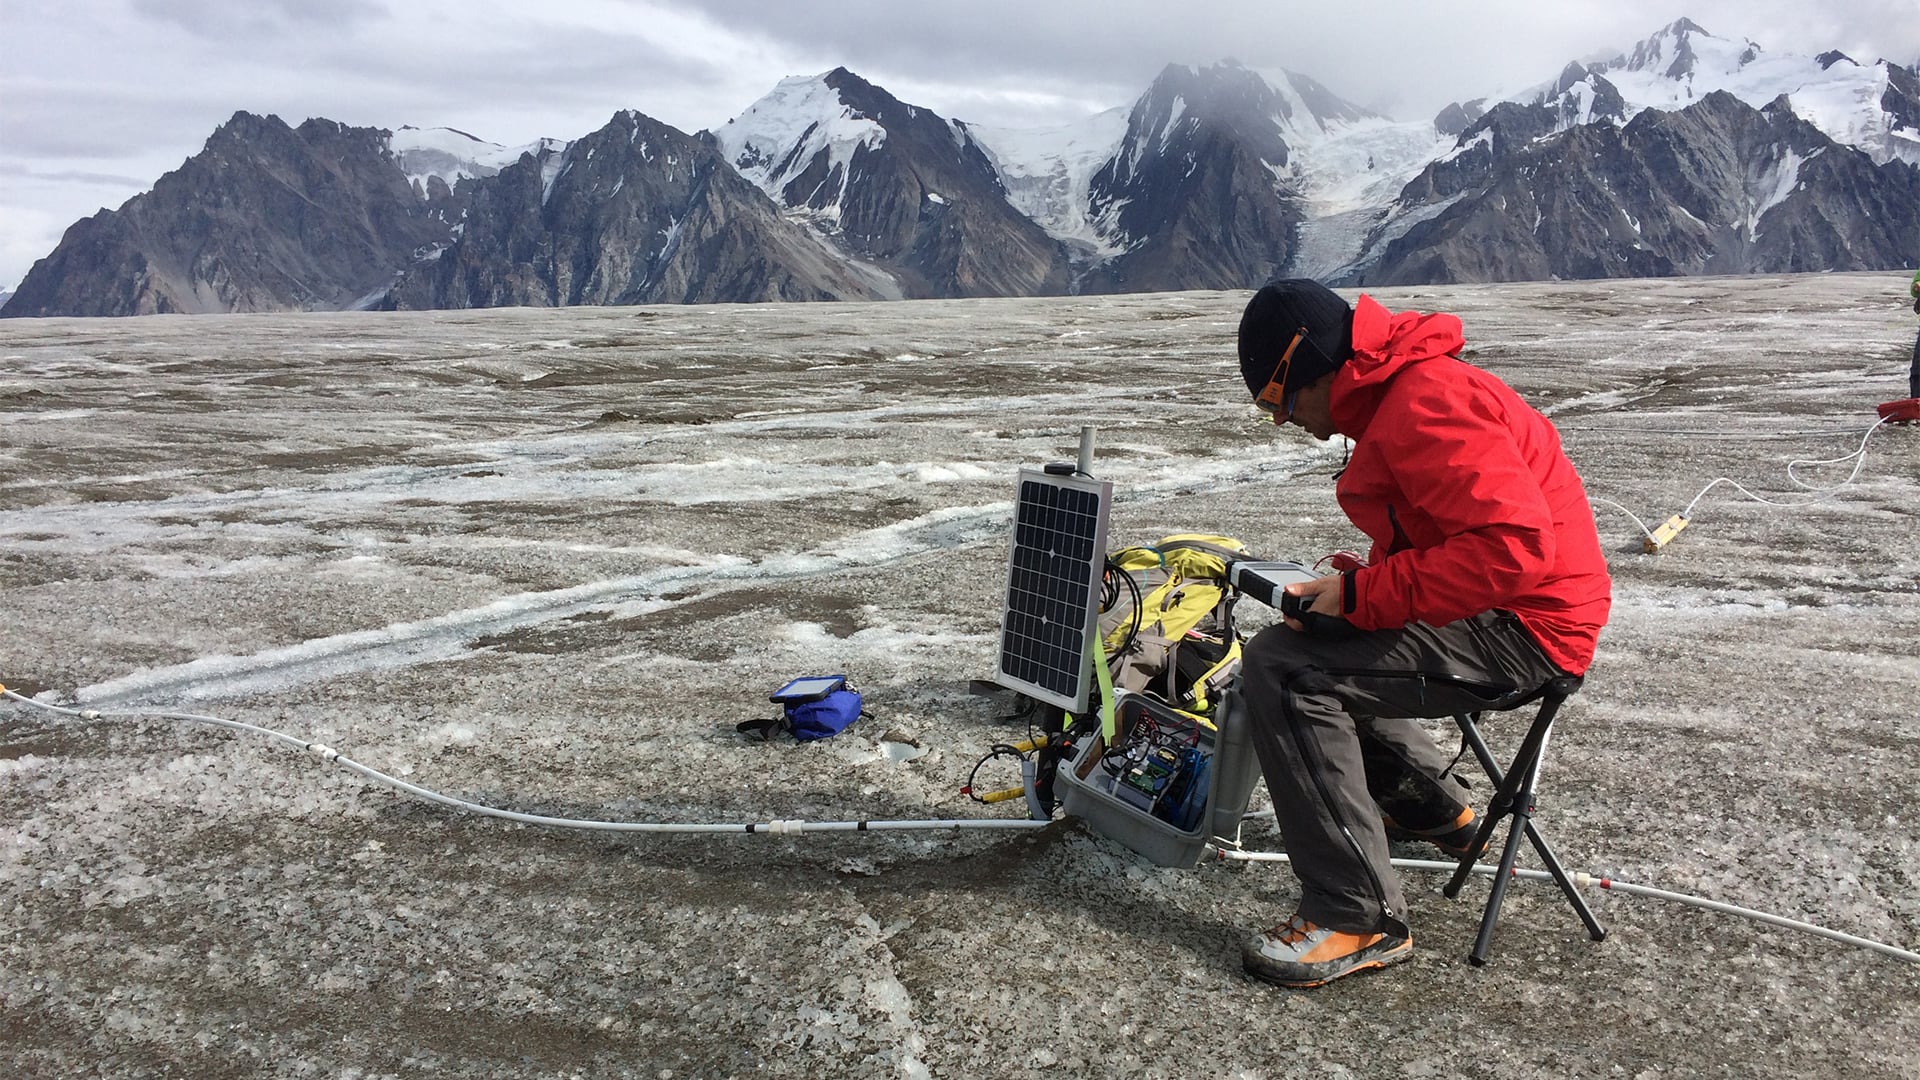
(1103,677)
(762,730)
(1225,553)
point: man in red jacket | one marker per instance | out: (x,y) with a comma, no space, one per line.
(1485,580)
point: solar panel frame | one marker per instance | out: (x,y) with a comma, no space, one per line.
(1055,560)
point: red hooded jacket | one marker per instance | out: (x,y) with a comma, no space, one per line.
(1465,491)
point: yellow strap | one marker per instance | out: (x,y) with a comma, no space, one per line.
(1104,678)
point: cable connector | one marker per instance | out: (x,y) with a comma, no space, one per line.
(325,751)
(90,714)
(1664,535)
(783,828)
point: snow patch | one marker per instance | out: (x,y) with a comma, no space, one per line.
(452,156)
(550,171)
(1048,173)
(1772,188)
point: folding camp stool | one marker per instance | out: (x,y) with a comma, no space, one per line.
(1513,797)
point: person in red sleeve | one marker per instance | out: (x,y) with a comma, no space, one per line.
(1485,580)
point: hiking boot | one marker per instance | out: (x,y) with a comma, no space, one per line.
(1454,838)
(1301,955)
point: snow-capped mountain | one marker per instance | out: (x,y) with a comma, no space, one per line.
(802,128)
(1476,211)
(1687,153)
(903,191)
(1874,107)
(1715,188)
(1201,187)
(637,212)
(1210,159)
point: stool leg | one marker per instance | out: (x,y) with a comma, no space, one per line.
(1572,892)
(1484,833)
(1498,895)
(1522,811)
(1513,798)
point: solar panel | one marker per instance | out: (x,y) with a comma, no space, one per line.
(1058,553)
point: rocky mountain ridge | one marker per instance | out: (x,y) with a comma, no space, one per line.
(266,217)
(1682,155)
(1715,188)
(894,186)
(635,213)
(1195,193)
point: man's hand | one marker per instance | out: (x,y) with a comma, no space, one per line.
(1323,596)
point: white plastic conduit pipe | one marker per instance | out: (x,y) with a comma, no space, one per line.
(1611,885)
(777,827)
(784,827)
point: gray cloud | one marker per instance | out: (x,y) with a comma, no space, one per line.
(16,170)
(223,20)
(1416,53)
(559,67)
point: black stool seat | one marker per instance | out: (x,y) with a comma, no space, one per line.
(1514,797)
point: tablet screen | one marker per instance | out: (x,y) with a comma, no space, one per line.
(815,686)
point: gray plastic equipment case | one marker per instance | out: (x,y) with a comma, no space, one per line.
(1086,790)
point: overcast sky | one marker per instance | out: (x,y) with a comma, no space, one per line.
(98,98)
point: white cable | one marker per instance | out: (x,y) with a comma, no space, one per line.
(1611,885)
(1861,453)
(1820,493)
(1636,518)
(777,827)
(1705,433)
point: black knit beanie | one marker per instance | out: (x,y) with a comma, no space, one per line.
(1273,316)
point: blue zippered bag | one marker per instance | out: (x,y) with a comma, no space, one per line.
(812,707)
(820,718)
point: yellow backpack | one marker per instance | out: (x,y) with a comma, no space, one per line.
(1166,622)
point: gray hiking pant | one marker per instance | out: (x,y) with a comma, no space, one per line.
(1333,725)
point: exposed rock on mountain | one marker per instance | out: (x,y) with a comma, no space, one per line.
(896,186)
(1671,53)
(637,212)
(265,218)
(1716,188)
(1198,195)
(1455,119)
(1901,104)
